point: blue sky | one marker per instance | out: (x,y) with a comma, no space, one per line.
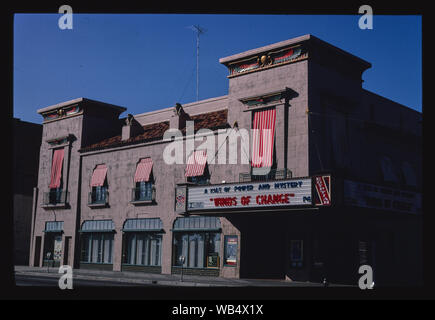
(148,61)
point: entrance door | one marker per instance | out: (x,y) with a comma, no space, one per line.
(37,253)
(53,249)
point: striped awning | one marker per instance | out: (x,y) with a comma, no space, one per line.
(98,226)
(143,170)
(263,133)
(196,163)
(53,226)
(143,224)
(99,175)
(56,168)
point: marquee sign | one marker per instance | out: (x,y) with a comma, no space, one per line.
(293,192)
(322,195)
(379,197)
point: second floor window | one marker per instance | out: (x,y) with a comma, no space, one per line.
(143,191)
(197,168)
(99,185)
(56,185)
(263,128)
(143,179)
(99,194)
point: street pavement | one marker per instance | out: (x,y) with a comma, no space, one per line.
(35,276)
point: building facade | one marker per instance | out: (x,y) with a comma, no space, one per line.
(26,144)
(326,177)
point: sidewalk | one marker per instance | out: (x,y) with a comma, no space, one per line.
(160,279)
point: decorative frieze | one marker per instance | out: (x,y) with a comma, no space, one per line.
(267,60)
(62,113)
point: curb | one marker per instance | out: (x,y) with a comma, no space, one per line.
(125,280)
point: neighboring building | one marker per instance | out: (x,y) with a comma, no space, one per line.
(26,145)
(344,189)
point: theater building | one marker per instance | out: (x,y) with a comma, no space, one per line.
(328,177)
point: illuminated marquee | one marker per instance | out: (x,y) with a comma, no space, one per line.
(294,192)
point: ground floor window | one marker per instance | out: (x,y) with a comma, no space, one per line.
(200,249)
(143,248)
(97,248)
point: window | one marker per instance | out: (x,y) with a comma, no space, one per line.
(97,248)
(202,179)
(263,128)
(56,183)
(296,253)
(99,193)
(143,191)
(143,179)
(197,168)
(143,248)
(200,249)
(197,239)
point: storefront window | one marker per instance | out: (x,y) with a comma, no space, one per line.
(97,248)
(200,249)
(143,248)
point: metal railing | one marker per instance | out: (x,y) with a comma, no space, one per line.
(143,194)
(98,197)
(55,196)
(274,174)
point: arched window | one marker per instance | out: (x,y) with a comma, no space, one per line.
(197,168)
(99,194)
(143,179)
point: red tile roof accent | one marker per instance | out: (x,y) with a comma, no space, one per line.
(212,120)
(153,132)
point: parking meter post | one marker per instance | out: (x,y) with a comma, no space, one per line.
(48,261)
(182,259)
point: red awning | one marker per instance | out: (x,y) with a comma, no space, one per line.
(263,138)
(56,168)
(99,175)
(143,170)
(196,164)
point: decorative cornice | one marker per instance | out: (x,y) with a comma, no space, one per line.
(62,112)
(267,60)
(61,140)
(270,98)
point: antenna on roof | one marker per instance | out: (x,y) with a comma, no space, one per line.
(198,31)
